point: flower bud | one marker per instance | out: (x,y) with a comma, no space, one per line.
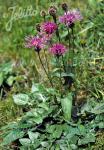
(38,27)
(43,13)
(52,10)
(65,7)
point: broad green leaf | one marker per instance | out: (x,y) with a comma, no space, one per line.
(21,99)
(82,129)
(33,135)
(10,80)
(38,119)
(40,97)
(6,67)
(37,143)
(44,144)
(57,132)
(12,136)
(51,91)
(89,138)
(73,146)
(25,141)
(67,106)
(98,109)
(101,125)
(50,128)
(88,107)
(9,126)
(44,105)
(64,34)
(35,88)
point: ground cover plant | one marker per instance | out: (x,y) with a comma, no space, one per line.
(56,97)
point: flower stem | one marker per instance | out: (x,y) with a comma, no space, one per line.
(68,37)
(72,49)
(73,39)
(73,70)
(46,60)
(68,32)
(57,31)
(57,59)
(45,70)
(58,35)
(63,63)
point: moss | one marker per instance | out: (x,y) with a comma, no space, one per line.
(99,145)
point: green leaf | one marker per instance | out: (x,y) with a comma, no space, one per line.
(35,88)
(67,106)
(50,128)
(98,109)
(73,146)
(44,105)
(10,80)
(57,132)
(44,144)
(6,67)
(89,26)
(101,125)
(38,119)
(67,74)
(89,138)
(92,3)
(51,91)
(82,129)
(65,33)
(57,74)
(25,141)
(33,135)
(21,99)
(36,143)
(12,136)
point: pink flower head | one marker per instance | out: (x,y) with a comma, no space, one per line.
(45,37)
(70,17)
(49,27)
(35,42)
(58,49)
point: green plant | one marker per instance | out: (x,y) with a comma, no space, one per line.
(50,121)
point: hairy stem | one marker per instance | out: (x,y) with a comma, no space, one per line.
(46,60)
(73,39)
(57,31)
(45,70)
(63,63)
(57,59)
(68,37)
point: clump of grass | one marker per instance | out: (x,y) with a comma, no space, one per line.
(8,111)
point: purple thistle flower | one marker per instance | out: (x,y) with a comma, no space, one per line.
(49,27)
(58,49)
(35,42)
(70,17)
(45,37)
